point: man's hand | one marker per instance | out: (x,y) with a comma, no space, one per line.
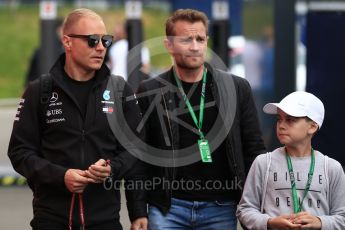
(307,221)
(75,180)
(98,171)
(282,222)
(139,224)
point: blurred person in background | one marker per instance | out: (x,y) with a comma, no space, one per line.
(117,58)
(258,60)
(34,66)
(66,149)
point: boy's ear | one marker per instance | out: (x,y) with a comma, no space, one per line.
(313,128)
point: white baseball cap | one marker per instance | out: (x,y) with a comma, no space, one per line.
(299,104)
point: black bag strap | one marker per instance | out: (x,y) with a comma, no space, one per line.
(118,84)
(46,87)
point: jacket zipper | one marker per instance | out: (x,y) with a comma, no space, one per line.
(82,148)
(172,170)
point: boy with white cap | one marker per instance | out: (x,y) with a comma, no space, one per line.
(295,186)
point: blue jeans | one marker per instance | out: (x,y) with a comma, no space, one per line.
(198,215)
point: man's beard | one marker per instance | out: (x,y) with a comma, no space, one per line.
(181,63)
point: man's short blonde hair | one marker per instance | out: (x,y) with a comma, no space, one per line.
(75,16)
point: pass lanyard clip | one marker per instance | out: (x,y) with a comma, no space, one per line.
(297,206)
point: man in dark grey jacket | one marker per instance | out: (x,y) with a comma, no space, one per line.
(63,143)
(202,133)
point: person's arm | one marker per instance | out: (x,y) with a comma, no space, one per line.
(24,148)
(248,210)
(127,165)
(251,136)
(135,181)
(136,196)
(98,171)
(128,138)
(336,218)
(283,222)
(140,224)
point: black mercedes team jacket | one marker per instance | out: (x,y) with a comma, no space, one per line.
(239,123)
(49,139)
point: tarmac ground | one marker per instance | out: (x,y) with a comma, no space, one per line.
(16,208)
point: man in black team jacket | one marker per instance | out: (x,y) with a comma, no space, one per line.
(66,148)
(200,193)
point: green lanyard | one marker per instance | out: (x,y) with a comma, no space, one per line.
(297,207)
(189,106)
